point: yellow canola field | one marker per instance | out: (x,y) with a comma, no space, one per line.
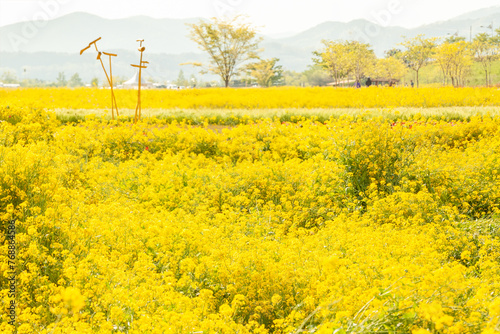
(347,226)
(282,97)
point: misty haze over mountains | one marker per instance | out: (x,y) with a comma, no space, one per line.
(44,49)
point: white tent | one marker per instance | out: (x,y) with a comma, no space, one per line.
(134,82)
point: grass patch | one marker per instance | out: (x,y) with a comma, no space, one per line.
(239,116)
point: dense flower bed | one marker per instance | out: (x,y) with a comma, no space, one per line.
(282,97)
(351,225)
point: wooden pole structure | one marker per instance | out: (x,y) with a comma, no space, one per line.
(141,49)
(113,99)
(110,80)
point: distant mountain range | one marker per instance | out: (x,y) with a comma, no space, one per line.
(46,48)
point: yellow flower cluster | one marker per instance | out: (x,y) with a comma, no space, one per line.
(278,97)
(355,225)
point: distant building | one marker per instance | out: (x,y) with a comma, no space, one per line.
(11,85)
(345,82)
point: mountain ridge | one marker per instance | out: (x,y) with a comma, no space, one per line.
(170,37)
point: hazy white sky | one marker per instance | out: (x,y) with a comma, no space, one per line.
(272,16)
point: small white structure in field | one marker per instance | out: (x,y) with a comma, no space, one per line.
(10,85)
(134,82)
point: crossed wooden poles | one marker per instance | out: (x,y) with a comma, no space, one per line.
(141,65)
(110,77)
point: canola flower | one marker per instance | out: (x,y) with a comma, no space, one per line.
(353,225)
(278,97)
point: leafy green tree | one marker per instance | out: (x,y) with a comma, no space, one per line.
(485,52)
(181,79)
(94,82)
(317,76)
(266,72)
(390,68)
(293,78)
(61,80)
(229,43)
(75,81)
(333,58)
(344,59)
(394,53)
(495,39)
(418,52)
(454,38)
(9,77)
(455,60)
(360,59)
(33,83)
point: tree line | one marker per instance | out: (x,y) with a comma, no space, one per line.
(9,77)
(233,47)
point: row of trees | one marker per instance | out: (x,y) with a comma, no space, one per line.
(352,59)
(232,47)
(9,77)
(454,55)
